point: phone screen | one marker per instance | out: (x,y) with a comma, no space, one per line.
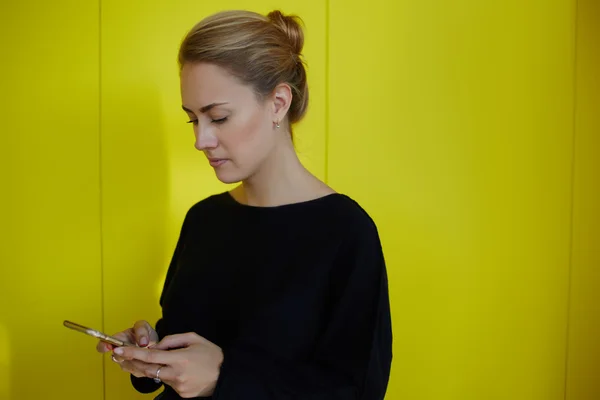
(93,332)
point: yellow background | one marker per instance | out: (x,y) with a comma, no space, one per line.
(584,328)
(469,130)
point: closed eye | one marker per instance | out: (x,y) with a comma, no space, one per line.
(219,121)
(216,121)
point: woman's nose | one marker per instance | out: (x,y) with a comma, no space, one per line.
(205,139)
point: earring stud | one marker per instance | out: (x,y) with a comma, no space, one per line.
(277,125)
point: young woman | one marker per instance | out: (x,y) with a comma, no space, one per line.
(277,289)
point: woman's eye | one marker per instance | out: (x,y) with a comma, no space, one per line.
(216,121)
(219,121)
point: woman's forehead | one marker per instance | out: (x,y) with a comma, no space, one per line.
(203,84)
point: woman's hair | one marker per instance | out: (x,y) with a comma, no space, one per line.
(261,51)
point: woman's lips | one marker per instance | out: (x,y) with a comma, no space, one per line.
(216,162)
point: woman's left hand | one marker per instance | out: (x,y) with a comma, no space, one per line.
(191,369)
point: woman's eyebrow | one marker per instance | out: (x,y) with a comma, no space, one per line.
(205,108)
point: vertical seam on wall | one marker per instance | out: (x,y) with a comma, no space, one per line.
(572,222)
(327,126)
(100,181)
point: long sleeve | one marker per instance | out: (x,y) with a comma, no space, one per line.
(352,360)
(147,385)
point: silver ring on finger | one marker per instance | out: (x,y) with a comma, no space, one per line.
(157,379)
(115,360)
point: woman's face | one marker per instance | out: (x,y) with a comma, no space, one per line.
(232,128)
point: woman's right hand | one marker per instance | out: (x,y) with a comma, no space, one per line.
(141,335)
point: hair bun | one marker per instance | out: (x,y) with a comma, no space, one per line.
(291,26)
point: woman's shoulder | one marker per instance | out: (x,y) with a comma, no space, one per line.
(360,251)
(207,206)
(349,213)
(337,213)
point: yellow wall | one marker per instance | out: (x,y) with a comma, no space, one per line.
(50,266)
(584,333)
(450,122)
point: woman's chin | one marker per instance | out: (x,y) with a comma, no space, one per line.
(228,177)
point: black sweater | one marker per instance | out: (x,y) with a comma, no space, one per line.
(295,295)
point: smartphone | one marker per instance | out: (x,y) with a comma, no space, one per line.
(97,334)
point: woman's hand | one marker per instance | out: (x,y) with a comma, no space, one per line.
(142,335)
(191,369)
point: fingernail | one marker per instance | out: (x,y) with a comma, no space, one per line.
(118,350)
(143,341)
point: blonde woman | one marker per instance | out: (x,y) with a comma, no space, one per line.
(278,288)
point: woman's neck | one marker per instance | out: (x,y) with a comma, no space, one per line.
(281,179)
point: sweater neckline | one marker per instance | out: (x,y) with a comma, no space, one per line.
(229,199)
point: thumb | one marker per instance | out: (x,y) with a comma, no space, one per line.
(141,331)
(177,341)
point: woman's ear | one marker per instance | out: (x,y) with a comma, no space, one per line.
(282,100)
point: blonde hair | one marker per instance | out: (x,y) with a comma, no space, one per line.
(261,51)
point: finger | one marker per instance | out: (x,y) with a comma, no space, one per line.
(117,359)
(142,330)
(163,372)
(124,336)
(103,347)
(132,367)
(166,374)
(150,356)
(127,336)
(141,366)
(178,341)
(153,340)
